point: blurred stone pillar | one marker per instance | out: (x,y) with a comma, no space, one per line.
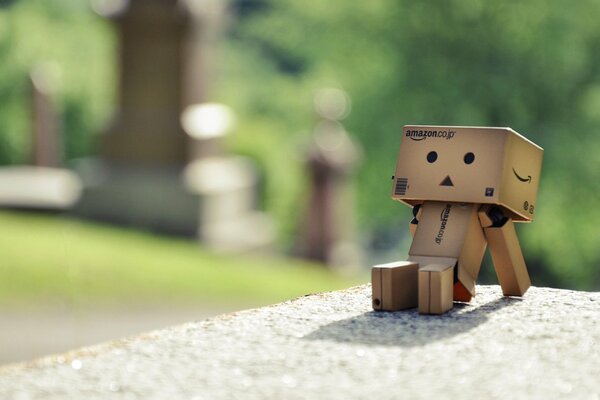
(166,49)
(152,173)
(137,177)
(147,129)
(227,184)
(327,232)
(46,141)
(41,184)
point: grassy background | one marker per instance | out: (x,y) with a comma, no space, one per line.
(533,66)
(46,257)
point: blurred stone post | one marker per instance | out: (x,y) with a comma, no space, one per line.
(327,231)
(46,141)
(225,183)
(153,171)
(41,184)
(146,129)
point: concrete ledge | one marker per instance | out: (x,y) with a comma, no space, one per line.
(333,346)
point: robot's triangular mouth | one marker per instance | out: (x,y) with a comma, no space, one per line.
(447,181)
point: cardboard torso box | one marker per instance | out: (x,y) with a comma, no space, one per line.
(477,165)
(450,233)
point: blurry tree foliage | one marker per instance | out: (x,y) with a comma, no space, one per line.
(79,46)
(533,66)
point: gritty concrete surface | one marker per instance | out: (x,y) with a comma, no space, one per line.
(31,332)
(332,346)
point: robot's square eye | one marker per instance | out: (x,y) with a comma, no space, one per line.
(431,157)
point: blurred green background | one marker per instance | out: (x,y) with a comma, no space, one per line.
(533,66)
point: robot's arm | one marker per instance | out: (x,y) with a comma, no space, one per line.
(415,221)
(505,249)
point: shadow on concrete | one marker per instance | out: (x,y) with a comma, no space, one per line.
(408,328)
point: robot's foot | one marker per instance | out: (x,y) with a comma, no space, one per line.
(395,286)
(436,292)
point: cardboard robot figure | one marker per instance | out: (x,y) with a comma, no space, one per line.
(467,187)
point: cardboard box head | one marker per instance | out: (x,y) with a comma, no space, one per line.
(469,165)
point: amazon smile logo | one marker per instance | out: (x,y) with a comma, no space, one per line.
(519,177)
